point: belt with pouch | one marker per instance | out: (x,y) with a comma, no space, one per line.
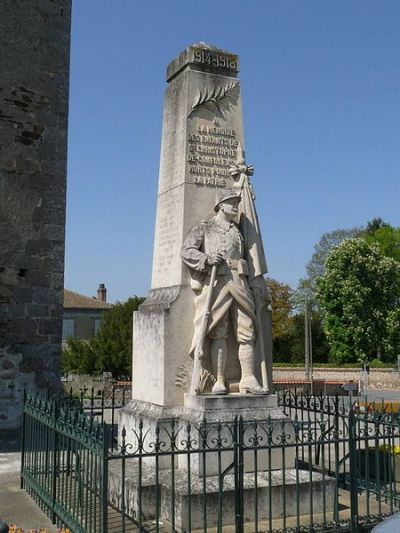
(240,265)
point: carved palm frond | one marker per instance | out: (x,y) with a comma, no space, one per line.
(184,376)
(207,380)
(215,95)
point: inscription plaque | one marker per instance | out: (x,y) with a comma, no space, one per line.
(211,151)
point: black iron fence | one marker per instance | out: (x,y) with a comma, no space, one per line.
(317,464)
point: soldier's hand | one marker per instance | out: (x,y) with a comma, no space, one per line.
(215,258)
(198,352)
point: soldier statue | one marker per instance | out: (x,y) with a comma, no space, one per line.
(225,304)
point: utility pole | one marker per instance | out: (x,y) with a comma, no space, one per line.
(306,340)
(308,344)
(310,354)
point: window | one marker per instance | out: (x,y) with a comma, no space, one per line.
(97,322)
(68,328)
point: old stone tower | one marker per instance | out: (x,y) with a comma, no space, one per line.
(34,79)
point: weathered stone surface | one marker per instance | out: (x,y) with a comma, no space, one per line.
(38,310)
(202,136)
(7,374)
(202,140)
(258,407)
(7,364)
(50,326)
(206,58)
(273,502)
(34,78)
(217,411)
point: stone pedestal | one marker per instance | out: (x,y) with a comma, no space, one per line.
(206,430)
(173,495)
(254,414)
(206,423)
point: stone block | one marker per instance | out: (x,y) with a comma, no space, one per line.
(6,364)
(283,492)
(38,310)
(50,326)
(46,296)
(215,417)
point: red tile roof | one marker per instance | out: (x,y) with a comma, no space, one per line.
(74,300)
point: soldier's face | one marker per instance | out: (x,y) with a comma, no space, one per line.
(230,208)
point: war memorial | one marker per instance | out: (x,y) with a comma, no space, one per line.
(202,340)
(204,263)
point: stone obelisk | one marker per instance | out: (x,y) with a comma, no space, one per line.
(202,138)
(201,171)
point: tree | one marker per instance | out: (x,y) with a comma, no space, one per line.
(375,224)
(360,297)
(288,326)
(78,357)
(113,341)
(315,268)
(282,307)
(111,348)
(387,238)
(290,347)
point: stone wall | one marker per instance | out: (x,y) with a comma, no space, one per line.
(379,378)
(89,385)
(34,80)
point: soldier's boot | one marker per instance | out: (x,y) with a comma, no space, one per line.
(248,382)
(218,357)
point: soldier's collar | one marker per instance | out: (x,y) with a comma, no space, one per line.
(226,226)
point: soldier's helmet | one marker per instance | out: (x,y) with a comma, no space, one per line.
(225,194)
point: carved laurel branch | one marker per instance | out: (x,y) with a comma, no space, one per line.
(216,95)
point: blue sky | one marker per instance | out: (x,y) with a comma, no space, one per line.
(320,89)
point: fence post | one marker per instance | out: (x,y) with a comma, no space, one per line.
(53,428)
(23,440)
(238,460)
(336,433)
(353,468)
(104,481)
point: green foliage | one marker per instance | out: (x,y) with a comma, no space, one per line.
(290,346)
(113,341)
(360,296)
(375,224)
(376,363)
(282,307)
(388,240)
(288,327)
(111,348)
(78,357)
(316,266)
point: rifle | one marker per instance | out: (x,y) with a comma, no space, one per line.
(199,350)
(260,338)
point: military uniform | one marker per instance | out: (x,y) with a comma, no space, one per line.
(232,303)
(231,294)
